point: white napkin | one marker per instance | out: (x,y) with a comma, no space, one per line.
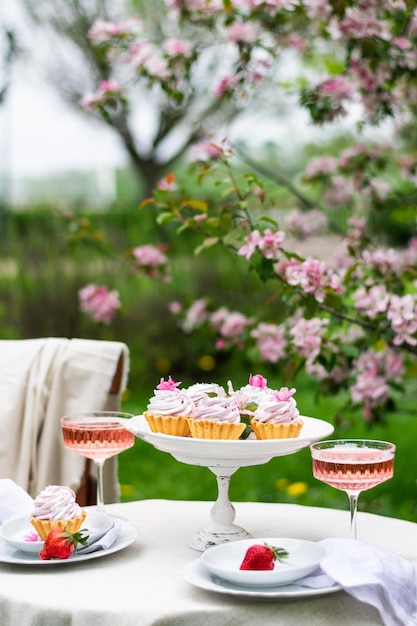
(105,542)
(372,575)
(14,501)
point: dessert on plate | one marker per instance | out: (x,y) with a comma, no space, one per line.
(56,508)
(277,416)
(169,409)
(199,391)
(249,396)
(216,417)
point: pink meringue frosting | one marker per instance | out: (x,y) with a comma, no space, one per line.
(56,502)
(172,401)
(278,407)
(217,409)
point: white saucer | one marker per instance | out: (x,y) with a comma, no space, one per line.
(223,562)
(229,453)
(15,530)
(127,535)
(196,574)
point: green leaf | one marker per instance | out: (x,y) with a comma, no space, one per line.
(207,243)
(197,205)
(165,218)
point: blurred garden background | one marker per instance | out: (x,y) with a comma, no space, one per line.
(60,230)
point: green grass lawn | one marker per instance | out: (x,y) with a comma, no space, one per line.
(148,473)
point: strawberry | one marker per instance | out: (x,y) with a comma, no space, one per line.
(262,557)
(60,544)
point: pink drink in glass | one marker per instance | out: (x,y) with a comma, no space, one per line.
(98,439)
(353,465)
(98,436)
(355,469)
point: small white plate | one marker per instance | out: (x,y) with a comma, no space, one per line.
(197,575)
(127,535)
(224,562)
(15,530)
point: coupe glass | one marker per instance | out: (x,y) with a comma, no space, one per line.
(353,465)
(98,436)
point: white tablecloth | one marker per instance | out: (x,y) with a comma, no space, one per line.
(143,584)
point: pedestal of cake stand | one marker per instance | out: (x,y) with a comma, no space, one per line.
(222,513)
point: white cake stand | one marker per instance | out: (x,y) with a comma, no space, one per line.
(223,458)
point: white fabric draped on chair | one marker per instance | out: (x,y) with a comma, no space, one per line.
(40,381)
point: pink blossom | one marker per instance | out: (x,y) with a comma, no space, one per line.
(242,32)
(339,192)
(319,166)
(149,256)
(369,389)
(257,380)
(356,231)
(207,150)
(32,537)
(225,85)
(268,243)
(379,189)
(106,92)
(195,316)
(177,47)
(175,307)
(313,277)
(99,302)
(252,240)
(169,384)
(338,89)
(402,313)
(306,223)
(284,394)
(232,324)
(371,301)
(139,53)
(318,9)
(307,336)
(270,341)
(103,31)
(359,22)
(385,260)
(167,182)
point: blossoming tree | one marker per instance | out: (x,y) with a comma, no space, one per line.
(350,322)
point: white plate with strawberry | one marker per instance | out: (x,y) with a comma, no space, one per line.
(263,562)
(197,575)
(125,534)
(264,567)
(20,534)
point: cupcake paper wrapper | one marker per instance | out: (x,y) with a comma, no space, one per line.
(44,526)
(168,424)
(276,431)
(207,429)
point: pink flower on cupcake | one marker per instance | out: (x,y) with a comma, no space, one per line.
(167,385)
(284,394)
(257,380)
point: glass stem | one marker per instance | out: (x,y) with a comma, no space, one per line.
(353,504)
(100,496)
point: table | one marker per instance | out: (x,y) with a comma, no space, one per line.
(143,584)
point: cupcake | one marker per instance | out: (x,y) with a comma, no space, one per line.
(277,416)
(216,417)
(249,396)
(56,507)
(199,391)
(169,409)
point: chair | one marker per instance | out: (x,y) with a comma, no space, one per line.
(40,381)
